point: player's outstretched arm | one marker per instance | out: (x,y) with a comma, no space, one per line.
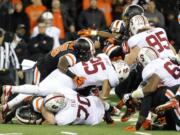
(63,66)
(151,86)
(90,32)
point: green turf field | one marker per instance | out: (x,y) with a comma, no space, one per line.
(102,129)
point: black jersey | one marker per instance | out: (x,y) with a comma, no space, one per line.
(49,63)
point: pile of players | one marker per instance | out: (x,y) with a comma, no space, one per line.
(72,82)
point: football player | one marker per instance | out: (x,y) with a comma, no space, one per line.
(63,57)
(157,74)
(145,35)
(72,109)
(113,44)
(98,71)
(55,107)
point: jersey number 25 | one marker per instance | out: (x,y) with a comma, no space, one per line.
(96,62)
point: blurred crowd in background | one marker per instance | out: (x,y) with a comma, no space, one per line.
(34,27)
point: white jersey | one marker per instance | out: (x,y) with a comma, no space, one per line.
(81,110)
(96,71)
(168,72)
(155,37)
(52,31)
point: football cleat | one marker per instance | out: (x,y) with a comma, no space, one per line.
(147,124)
(6,94)
(130,128)
(115,111)
(4,110)
(107,117)
(127,115)
(172,104)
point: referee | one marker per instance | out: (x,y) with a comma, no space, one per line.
(8,60)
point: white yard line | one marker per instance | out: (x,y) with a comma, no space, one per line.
(68,133)
(118,119)
(142,133)
(11,133)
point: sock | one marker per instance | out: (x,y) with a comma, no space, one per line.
(106,106)
(17,100)
(149,116)
(26,89)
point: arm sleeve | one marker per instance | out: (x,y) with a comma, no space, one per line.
(71,59)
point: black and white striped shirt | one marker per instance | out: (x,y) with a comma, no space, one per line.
(8,57)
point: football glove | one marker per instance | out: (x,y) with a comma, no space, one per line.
(79,80)
(87,32)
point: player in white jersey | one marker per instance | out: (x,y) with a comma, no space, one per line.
(64,109)
(75,109)
(142,34)
(156,72)
(145,35)
(98,71)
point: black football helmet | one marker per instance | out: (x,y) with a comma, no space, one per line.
(84,48)
(26,115)
(131,11)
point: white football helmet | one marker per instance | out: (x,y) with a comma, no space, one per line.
(146,55)
(122,69)
(137,23)
(117,26)
(54,102)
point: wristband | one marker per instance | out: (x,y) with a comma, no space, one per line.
(138,93)
(70,74)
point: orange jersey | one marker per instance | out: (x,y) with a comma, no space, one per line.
(58,22)
(34,12)
(104,6)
